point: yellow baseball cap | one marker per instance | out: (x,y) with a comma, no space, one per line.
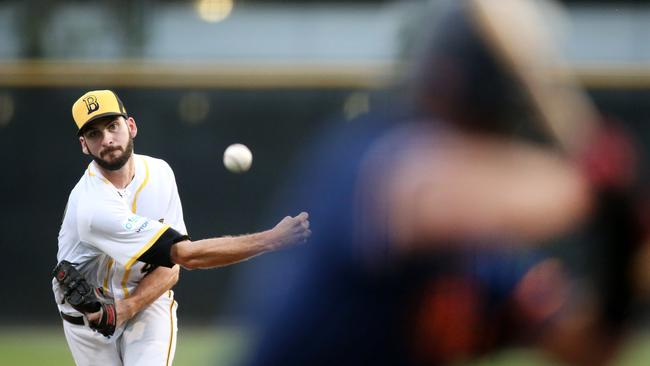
(96,104)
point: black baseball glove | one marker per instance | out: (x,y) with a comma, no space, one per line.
(86,299)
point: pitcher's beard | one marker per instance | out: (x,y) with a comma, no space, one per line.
(118,162)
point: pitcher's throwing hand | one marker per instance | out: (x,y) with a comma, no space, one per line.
(292,230)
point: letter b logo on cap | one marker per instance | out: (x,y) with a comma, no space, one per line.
(91,104)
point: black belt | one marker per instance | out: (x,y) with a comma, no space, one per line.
(76,320)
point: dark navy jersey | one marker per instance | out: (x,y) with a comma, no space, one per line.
(348,299)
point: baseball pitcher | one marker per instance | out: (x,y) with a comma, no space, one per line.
(122,239)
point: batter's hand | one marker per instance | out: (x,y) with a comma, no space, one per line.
(292,230)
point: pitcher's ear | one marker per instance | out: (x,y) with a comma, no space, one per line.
(84,147)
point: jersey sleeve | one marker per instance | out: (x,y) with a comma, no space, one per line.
(175,209)
(110,226)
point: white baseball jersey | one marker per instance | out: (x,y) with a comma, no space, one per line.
(105,231)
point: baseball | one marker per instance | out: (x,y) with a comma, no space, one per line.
(237,158)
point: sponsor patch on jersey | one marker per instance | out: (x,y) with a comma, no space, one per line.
(135,223)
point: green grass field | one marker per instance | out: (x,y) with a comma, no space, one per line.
(224,346)
(47,346)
